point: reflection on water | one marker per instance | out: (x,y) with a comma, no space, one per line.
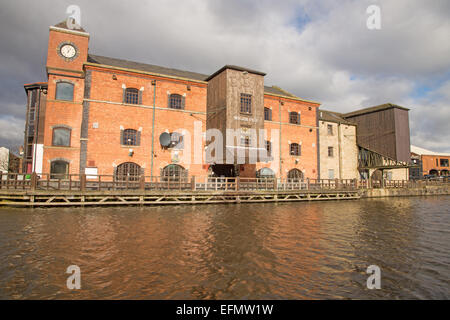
(248,251)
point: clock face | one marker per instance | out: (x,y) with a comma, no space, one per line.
(68,51)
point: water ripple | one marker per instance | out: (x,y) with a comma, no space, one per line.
(246,251)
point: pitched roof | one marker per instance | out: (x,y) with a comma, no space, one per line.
(373,109)
(63,25)
(126,64)
(422,151)
(146,67)
(330,116)
(278,91)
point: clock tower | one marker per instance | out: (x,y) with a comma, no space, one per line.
(63,136)
(67,49)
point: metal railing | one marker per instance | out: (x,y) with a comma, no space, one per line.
(75,182)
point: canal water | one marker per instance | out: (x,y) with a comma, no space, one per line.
(300,250)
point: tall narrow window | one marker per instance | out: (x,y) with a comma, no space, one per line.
(132,96)
(330,151)
(269,147)
(246,103)
(61,137)
(294,117)
(267,114)
(64,91)
(330,129)
(295,149)
(129,137)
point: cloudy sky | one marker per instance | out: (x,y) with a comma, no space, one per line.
(320,50)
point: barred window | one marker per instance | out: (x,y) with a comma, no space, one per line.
(267,114)
(246,103)
(174,172)
(128,171)
(175,101)
(295,149)
(294,118)
(132,96)
(64,91)
(61,137)
(295,175)
(129,137)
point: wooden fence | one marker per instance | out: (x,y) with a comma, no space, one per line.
(75,182)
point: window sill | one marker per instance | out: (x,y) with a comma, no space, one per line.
(129,146)
(61,147)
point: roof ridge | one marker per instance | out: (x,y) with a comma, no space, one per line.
(285,91)
(144,63)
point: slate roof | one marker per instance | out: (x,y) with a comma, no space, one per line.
(373,109)
(422,151)
(126,64)
(330,116)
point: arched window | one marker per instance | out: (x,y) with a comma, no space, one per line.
(294,117)
(131,96)
(267,114)
(265,173)
(175,101)
(128,171)
(64,91)
(295,175)
(173,172)
(130,137)
(61,137)
(434,172)
(295,149)
(59,169)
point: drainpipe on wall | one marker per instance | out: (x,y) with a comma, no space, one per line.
(318,142)
(36,131)
(153,124)
(339,150)
(279,138)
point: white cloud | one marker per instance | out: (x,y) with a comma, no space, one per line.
(11,131)
(333,58)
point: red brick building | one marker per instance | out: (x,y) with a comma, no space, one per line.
(99,115)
